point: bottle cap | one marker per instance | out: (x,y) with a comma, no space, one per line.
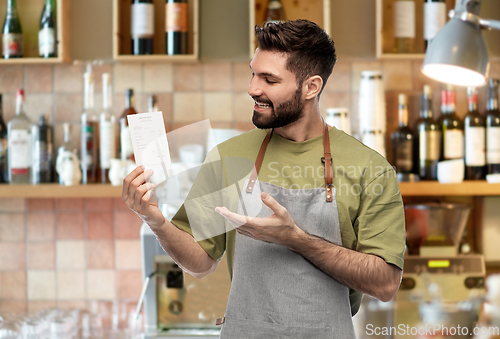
(402,99)
(20,92)
(42,119)
(129,91)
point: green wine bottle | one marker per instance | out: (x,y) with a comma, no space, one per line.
(47,35)
(12,34)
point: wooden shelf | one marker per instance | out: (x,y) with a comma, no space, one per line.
(434,188)
(59,191)
(29,14)
(317,11)
(384,35)
(122,50)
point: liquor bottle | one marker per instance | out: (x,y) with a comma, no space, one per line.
(475,140)
(434,18)
(19,144)
(12,33)
(89,133)
(492,127)
(43,144)
(107,130)
(429,135)
(142,26)
(451,126)
(126,150)
(47,35)
(176,27)
(404,26)
(402,140)
(3,146)
(68,144)
(275,11)
(152,104)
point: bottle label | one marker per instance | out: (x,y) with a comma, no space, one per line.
(475,152)
(142,20)
(176,17)
(429,145)
(88,146)
(19,146)
(404,19)
(126,143)
(12,44)
(107,143)
(46,41)
(404,156)
(434,18)
(453,144)
(493,145)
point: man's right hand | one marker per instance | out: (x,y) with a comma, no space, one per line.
(137,195)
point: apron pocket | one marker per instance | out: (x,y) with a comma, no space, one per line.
(251,329)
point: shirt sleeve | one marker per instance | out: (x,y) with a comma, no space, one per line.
(197,214)
(381,220)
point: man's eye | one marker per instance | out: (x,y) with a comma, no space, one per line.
(270,82)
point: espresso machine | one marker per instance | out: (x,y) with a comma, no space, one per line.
(435,273)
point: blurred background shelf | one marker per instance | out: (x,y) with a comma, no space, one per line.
(434,188)
(59,191)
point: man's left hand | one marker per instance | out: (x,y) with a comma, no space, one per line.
(278,228)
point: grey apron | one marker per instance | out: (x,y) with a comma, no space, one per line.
(275,292)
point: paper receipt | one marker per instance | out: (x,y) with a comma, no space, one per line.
(149,141)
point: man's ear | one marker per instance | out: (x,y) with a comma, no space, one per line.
(313,86)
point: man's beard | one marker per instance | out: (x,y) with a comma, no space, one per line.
(285,114)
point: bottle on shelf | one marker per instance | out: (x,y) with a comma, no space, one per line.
(12,33)
(475,140)
(68,145)
(3,146)
(451,126)
(402,142)
(275,12)
(142,26)
(47,35)
(19,144)
(176,27)
(152,103)
(404,26)
(126,150)
(429,135)
(107,130)
(43,145)
(434,18)
(492,127)
(89,132)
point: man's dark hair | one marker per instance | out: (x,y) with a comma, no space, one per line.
(310,50)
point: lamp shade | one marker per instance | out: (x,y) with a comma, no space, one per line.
(457,55)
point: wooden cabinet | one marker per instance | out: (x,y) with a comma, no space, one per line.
(122,38)
(314,10)
(30,12)
(385,29)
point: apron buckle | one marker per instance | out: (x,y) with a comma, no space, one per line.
(324,161)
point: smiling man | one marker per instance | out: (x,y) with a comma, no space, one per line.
(305,235)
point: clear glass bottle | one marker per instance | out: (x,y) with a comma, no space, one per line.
(475,140)
(3,146)
(404,26)
(126,149)
(43,145)
(429,135)
(12,33)
(107,130)
(402,140)
(47,35)
(275,12)
(89,134)
(19,144)
(492,127)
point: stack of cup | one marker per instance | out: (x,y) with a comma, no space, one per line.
(372,117)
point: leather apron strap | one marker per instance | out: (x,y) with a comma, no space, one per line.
(326,159)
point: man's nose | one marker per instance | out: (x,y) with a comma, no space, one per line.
(254,89)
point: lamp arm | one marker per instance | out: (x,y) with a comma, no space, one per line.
(490,24)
